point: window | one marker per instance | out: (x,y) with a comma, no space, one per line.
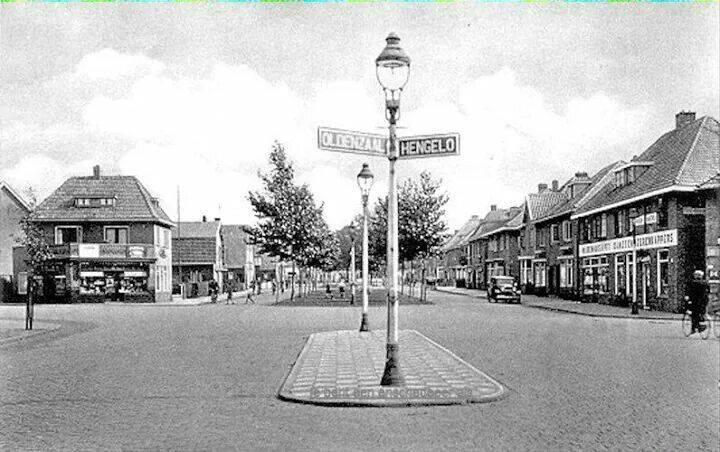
(620,276)
(629,275)
(603,225)
(107,201)
(630,175)
(525,271)
(567,273)
(166,238)
(566,231)
(554,233)
(68,234)
(540,272)
(663,279)
(82,202)
(116,235)
(595,271)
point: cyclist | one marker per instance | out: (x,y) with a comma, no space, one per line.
(698,300)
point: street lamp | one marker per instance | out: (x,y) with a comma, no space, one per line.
(351,273)
(392,67)
(365,181)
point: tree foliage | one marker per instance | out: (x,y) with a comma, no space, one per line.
(32,238)
(290,224)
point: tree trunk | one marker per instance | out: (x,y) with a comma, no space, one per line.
(423,283)
(292,283)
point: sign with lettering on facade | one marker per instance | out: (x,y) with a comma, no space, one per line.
(429,146)
(642,242)
(88,250)
(650,218)
(136,251)
(339,140)
(693,211)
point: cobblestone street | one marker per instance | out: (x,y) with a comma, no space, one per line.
(206,377)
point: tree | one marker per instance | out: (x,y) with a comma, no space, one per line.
(290,224)
(421,225)
(38,252)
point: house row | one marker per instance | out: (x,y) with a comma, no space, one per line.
(109,239)
(636,229)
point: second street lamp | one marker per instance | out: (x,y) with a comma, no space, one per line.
(393,70)
(365,180)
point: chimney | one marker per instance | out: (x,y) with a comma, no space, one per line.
(542,188)
(493,207)
(204,219)
(555,185)
(684,118)
(96,171)
(581,175)
(217,219)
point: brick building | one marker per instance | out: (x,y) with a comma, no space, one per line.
(110,240)
(494,244)
(454,269)
(239,256)
(13,208)
(644,234)
(710,190)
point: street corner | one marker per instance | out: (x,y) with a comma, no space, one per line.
(14,336)
(344,368)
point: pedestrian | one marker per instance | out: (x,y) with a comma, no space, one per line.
(698,300)
(341,289)
(259,286)
(229,294)
(213,288)
(328,292)
(250,293)
(274,287)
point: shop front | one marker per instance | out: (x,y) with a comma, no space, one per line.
(107,281)
(645,268)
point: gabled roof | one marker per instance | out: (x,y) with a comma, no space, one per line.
(539,205)
(597,182)
(681,160)
(713,182)
(235,245)
(19,200)
(196,230)
(132,201)
(461,237)
(500,220)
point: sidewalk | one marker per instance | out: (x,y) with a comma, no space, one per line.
(344,368)
(573,307)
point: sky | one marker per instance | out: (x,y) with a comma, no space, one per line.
(191,97)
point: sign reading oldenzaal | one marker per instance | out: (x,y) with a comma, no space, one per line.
(340,140)
(642,242)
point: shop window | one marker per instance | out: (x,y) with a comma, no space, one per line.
(663,279)
(68,234)
(525,272)
(620,282)
(595,271)
(116,235)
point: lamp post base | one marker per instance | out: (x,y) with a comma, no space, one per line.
(364,327)
(392,375)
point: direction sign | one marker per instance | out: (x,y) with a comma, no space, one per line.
(429,146)
(349,141)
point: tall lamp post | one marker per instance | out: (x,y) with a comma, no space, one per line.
(351,273)
(392,67)
(365,180)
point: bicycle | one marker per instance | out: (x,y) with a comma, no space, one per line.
(704,321)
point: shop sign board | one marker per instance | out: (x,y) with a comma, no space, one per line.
(89,250)
(659,239)
(650,218)
(136,251)
(693,211)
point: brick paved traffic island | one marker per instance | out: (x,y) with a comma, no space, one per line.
(344,368)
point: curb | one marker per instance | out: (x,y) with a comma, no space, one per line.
(389,402)
(31,334)
(592,314)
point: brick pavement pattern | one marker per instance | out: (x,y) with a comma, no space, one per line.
(345,367)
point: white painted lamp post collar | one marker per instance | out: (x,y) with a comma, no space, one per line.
(393,70)
(365,181)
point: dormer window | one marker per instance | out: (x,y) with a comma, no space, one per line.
(628,173)
(94,202)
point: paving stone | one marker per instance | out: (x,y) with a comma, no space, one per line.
(352,364)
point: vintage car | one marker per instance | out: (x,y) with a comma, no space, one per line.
(503,288)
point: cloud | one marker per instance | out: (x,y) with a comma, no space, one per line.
(210,135)
(108,64)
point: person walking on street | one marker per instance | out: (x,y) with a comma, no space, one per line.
(229,295)
(213,288)
(328,292)
(341,289)
(250,293)
(698,300)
